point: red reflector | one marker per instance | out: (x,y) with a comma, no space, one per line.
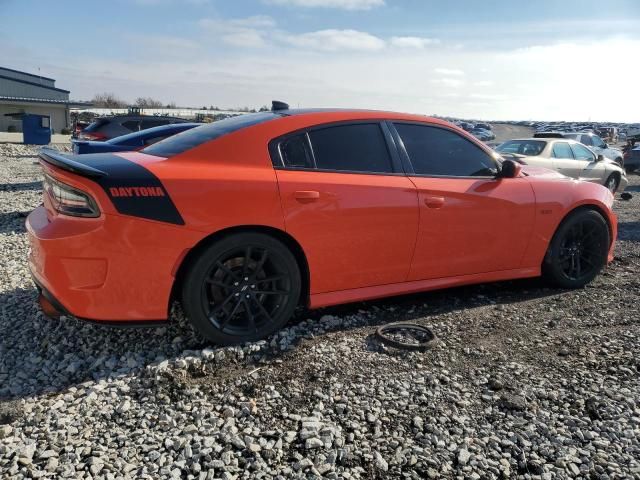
(47,308)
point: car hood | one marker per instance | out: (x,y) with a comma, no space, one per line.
(541,172)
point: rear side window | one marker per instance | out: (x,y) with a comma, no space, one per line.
(440,152)
(133,125)
(295,152)
(562,150)
(522,147)
(184,141)
(152,123)
(354,148)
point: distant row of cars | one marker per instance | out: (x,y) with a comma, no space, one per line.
(482,131)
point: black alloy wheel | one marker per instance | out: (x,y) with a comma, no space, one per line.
(242,288)
(578,251)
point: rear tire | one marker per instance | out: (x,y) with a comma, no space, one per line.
(578,250)
(241,288)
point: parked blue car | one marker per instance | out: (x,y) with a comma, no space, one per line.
(132,141)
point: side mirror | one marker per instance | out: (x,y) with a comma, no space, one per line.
(510,169)
(600,158)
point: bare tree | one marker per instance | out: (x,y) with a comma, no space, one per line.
(108,100)
(148,102)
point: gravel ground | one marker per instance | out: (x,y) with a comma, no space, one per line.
(524,382)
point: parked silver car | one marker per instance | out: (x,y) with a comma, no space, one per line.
(567,157)
(591,140)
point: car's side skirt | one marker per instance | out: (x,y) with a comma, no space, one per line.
(369,293)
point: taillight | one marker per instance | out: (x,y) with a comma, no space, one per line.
(69,200)
(95,137)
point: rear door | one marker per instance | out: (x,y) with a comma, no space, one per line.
(348,203)
(470,222)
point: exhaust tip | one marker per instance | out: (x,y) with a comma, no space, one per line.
(48,308)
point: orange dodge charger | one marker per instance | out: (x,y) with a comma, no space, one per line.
(244,219)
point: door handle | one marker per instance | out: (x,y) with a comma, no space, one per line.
(307,195)
(434,202)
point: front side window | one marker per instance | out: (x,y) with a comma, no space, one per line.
(352,148)
(582,153)
(597,142)
(437,151)
(562,150)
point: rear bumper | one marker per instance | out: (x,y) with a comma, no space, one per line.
(101,269)
(52,308)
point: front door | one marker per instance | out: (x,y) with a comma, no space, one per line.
(470,222)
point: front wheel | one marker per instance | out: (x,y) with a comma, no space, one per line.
(612,183)
(241,288)
(578,250)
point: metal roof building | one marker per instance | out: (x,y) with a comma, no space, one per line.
(22,92)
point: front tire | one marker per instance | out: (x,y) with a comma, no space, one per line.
(241,288)
(612,182)
(578,250)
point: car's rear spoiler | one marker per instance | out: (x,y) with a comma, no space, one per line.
(64,162)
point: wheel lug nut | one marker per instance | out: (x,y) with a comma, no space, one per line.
(253,286)
(248,296)
(236,284)
(237,294)
(246,279)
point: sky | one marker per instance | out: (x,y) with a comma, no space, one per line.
(490,59)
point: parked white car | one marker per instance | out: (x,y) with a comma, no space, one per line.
(568,157)
(591,140)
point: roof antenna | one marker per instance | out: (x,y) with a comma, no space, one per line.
(277,105)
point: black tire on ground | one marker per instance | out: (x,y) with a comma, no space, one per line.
(578,250)
(241,288)
(612,182)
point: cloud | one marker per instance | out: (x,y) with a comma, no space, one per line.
(448,82)
(333,40)
(453,72)
(341,4)
(249,32)
(413,42)
(483,83)
(163,42)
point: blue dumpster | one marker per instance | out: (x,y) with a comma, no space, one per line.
(36,129)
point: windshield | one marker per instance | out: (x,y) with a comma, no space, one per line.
(197,136)
(530,148)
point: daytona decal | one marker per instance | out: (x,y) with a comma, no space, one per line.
(136,192)
(133,189)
